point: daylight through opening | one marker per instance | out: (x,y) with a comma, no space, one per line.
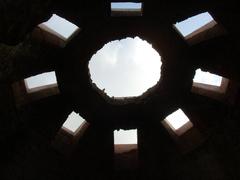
(40,81)
(73,123)
(178,122)
(125,136)
(193,25)
(126,67)
(59,27)
(177,119)
(126,6)
(126,9)
(207,78)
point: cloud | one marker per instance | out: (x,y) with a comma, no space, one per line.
(126,67)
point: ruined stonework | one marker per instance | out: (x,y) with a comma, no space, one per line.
(27,131)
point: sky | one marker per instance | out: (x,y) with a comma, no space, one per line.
(41,80)
(207,78)
(177,119)
(126,67)
(73,122)
(126,5)
(125,136)
(191,24)
(60,26)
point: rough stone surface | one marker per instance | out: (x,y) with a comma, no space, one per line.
(26,133)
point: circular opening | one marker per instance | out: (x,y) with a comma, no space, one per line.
(125,68)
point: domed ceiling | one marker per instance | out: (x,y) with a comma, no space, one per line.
(29,46)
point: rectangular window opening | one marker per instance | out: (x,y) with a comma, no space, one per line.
(207,78)
(208,84)
(73,124)
(125,140)
(126,9)
(186,136)
(59,27)
(194,23)
(199,28)
(178,122)
(40,82)
(69,135)
(57,31)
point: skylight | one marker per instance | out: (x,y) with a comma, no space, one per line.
(126,67)
(194,23)
(125,137)
(59,27)
(207,78)
(126,8)
(41,80)
(177,119)
(73,122)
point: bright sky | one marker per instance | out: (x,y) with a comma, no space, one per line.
(192,24)
(41,80)
(125,68)
(177,119)
(125,5)
(207,78)
(73,122)
(60,26)
(125,136)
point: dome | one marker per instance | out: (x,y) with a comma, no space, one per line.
(58,122)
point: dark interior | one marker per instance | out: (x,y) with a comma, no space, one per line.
(210,151)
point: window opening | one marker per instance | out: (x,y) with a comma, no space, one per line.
(207,78)
(178,122)
(73,123)
(59,27)
(126,9)
(125,68)
(192,25)
(41,81)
